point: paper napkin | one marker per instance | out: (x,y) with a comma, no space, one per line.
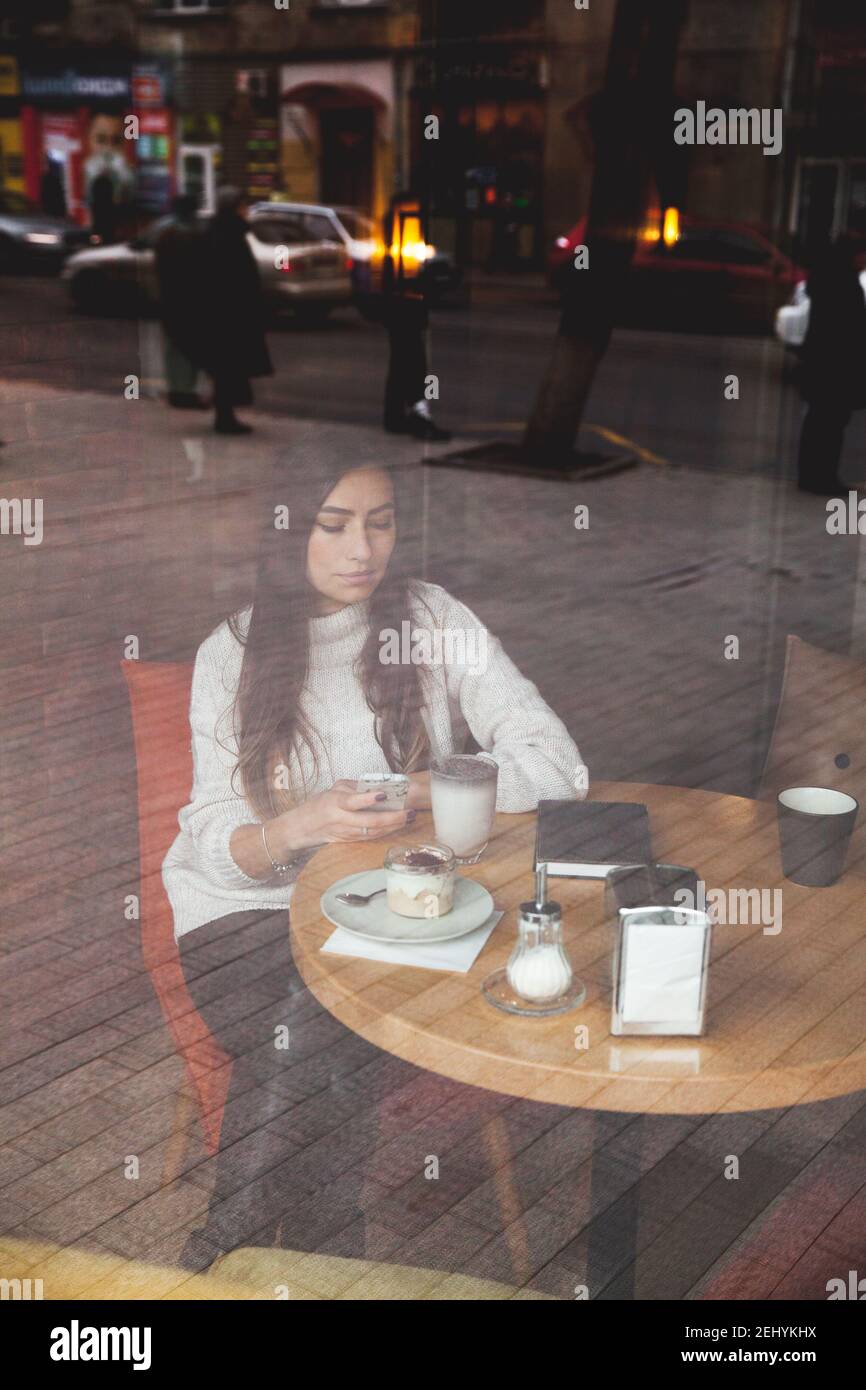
(458,955)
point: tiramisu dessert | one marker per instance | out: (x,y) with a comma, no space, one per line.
(419,880)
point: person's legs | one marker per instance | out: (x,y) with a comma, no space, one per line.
(228,392)
(395,387)
(406,407)
(821,440)
(288,1131)
(415,352)
(181,378)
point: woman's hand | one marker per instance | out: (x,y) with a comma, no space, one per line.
(340,813)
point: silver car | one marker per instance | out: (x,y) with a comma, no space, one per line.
(302,265)
(437,272)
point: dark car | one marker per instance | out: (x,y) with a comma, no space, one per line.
(33,240)
(709,274)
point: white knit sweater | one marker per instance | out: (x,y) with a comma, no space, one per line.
(492,700)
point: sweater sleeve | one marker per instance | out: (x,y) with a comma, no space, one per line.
(215,809)
(509,719)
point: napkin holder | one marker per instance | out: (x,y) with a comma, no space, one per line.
(660,965)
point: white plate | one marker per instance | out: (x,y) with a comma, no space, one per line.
(472,906)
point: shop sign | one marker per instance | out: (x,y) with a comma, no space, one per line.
(149,86)
(72,85)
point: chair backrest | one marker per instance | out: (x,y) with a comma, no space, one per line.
(159,693)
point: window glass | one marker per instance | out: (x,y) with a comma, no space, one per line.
(319,228)
(697,245)
(357,225)
(738,248)
(285,230)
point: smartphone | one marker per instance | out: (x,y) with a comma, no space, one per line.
(394,784)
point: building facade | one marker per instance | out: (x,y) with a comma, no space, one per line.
(481,107)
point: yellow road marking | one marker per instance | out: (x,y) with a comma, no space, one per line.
(610,435)
(613,438)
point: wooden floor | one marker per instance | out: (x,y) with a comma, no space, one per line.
(149,532)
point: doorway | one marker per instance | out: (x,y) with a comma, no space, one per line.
(346,164)
(196,174)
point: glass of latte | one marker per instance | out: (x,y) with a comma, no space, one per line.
(463,796)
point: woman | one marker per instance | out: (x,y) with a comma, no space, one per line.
(233,346)
(290,703)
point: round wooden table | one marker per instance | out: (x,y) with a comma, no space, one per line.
(786,1015)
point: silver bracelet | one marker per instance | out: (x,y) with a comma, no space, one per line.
(277,868)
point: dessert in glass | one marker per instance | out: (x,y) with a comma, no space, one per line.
(419,880)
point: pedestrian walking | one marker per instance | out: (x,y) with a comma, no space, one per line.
(233,345)
(52,194)
(405,316)
(103,213)
(834,361)
(179,272)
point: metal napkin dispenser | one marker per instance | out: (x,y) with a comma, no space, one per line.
(660,964)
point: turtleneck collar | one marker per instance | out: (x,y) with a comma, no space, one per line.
(337,638)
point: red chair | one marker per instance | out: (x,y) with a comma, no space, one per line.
(159,694)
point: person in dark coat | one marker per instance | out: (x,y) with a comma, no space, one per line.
(178,249)
(234,348)
(103,213)
(51,191)
(833,363)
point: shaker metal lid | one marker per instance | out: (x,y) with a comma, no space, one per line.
(538,916)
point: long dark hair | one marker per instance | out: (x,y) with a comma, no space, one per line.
(268,722)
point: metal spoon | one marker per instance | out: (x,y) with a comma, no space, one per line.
(358,899)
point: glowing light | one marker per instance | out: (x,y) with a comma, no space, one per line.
(408,244)
(671,228)
(413,250)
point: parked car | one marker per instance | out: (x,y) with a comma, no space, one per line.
(714,274)
(363,243)
(31,240)
(303,267)
(792,320)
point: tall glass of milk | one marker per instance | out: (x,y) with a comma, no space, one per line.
(463,795)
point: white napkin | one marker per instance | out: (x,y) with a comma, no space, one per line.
(459,955)
(663,973)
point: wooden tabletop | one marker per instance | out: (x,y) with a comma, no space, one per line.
(786,1016)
